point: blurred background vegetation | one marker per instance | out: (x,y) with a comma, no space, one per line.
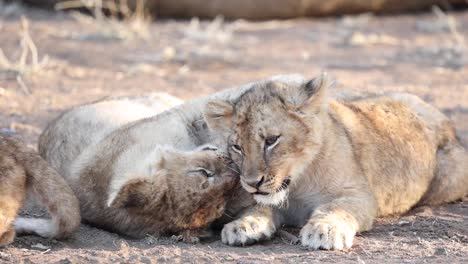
(260,9)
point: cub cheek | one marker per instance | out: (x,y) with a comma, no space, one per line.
(282,165)
(210,181)
(204,185)
(282,172)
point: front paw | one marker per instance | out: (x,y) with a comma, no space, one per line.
(327,233)
(7,237)
(246,231)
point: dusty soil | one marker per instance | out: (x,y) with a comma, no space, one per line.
(414,53)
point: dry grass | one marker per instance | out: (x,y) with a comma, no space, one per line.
(10,8)
(113,20)
(442,23)
(216,30)
(27,62)
(452,51)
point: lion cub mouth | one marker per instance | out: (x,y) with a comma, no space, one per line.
(284,186)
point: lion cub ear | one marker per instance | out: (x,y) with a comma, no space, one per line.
(218,115)
(133,194)
(313,93)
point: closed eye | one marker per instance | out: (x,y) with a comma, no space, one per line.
(203,172)
(209,148)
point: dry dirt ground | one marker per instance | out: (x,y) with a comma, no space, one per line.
(423,54)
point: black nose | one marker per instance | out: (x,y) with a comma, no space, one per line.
(255,183)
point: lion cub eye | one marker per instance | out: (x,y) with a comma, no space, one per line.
(203,172)
(237,149)
(271,141)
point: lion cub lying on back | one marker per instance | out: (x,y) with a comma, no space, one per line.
(155,175)
(21,168)
(331,166)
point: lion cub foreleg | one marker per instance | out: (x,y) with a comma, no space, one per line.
(256,223)
(334,224)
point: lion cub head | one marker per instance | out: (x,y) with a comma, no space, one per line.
(273,131)
(182,189)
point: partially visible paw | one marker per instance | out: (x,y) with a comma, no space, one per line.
(7,237)
(328,233)
(247,230)
(192,236)
(189,239)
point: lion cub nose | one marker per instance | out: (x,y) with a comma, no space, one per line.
(256,182)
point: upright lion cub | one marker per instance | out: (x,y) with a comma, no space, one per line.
(21,169)
(331,166)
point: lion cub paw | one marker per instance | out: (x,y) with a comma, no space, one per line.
(327,233)
(247,230)
(7,237)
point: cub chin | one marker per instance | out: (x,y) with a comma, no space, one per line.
(330,166)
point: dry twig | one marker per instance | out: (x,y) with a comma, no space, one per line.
(28,61)
(121,22)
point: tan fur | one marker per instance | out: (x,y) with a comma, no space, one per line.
(137,175)
(337,163)
(21,167)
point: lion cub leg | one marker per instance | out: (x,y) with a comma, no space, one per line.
(194,236)
(256,223)
(12,193)
(7,237)
(334,224)
(450,181)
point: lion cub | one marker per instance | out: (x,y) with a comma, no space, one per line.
(330,165)
(22,168)
(137,175)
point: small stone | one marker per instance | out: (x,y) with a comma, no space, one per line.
(401,223)
(40,246)
(7,131)
(440,251)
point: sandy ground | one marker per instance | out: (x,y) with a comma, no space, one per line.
(422,54)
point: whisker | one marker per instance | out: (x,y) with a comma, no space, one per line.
(228,215)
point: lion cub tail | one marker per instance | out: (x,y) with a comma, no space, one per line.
(54,193)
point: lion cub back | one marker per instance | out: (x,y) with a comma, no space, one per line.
(394,139)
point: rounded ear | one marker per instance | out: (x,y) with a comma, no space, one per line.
(314,91)
(218,115)
(133,194)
